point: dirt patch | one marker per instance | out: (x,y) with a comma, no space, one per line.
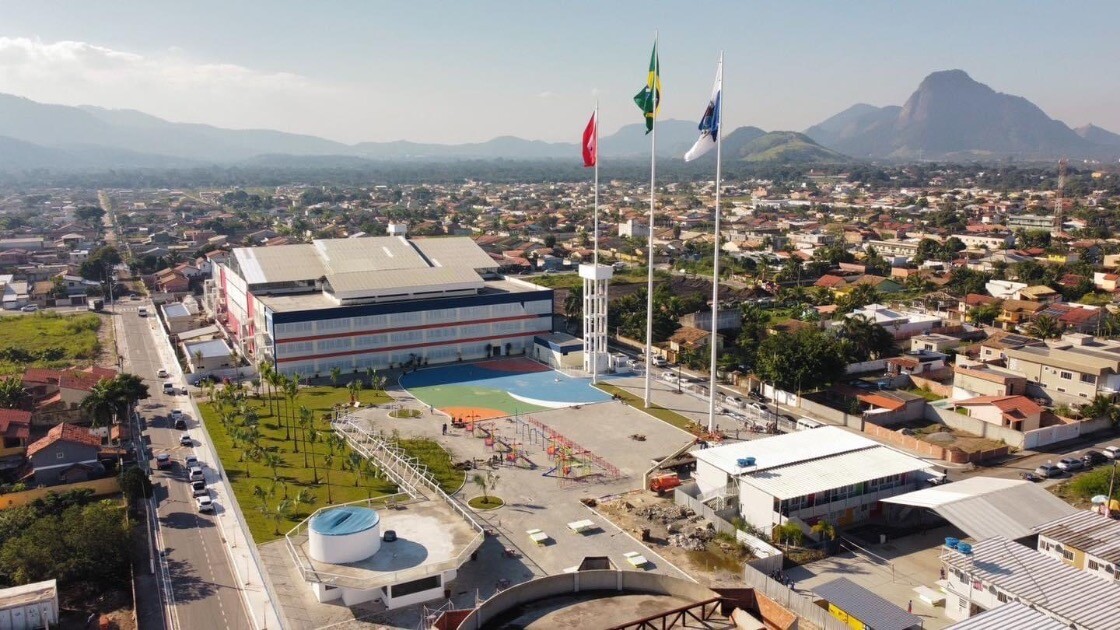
(680,536)
(949,437)
(107,337)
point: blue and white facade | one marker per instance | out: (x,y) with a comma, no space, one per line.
(375,303)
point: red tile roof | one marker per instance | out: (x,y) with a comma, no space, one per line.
(15,423)
(64,433)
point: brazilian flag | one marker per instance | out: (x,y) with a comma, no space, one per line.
(649,99)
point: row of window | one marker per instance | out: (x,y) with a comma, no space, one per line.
(401,320)
(845,492)
(409,337)
(437,354)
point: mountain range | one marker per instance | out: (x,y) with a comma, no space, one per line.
(949,117)
(952,116)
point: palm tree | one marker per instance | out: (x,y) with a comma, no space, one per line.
(283,508)
(305,419)
(11,392)
(485,483)
(355,388)
(1044,327)
(273,461)
(291,392)
(312,438)
(128,389)
(328,461)
(336,374)
(1099,407)
(100,403)
(261,496)
(305,497)
(355,462)
(377,382)
(264,368)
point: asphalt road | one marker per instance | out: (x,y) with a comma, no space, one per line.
(204,587)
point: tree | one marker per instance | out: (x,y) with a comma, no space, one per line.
(807,357)
(264,368)
(863,339)
(336,375)
(1101,407)
(486,483)
(135,484)
(100,403)
(985,314)
(283,509)
(312,438)
(328,461)
(1045,327)
(12,393)
(90,214)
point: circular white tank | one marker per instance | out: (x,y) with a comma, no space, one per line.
(344,534)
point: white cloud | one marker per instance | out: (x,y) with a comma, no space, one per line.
(169,84)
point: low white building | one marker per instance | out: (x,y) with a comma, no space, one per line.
(900,324)
(826,473)
(1086,540)
(30,606)
(996,571)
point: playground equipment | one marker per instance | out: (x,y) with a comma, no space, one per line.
(571,463)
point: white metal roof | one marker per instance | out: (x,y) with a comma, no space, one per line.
(1009,615)
(279,263)
(987,507)
(783,450)
(346,255)
(837,471)
(403,280)
(1045,582)
(460,252)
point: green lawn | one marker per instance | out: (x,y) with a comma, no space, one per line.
(47,340)
(298,470)
(665,415)
(925,393)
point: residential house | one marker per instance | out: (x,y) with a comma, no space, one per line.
(15,429)
(934,342)
(1078,364)
(1086,541)
(1004,289)
(688,339)
(919,362)
(1018,413)
(1017,313)
(729,319)
(901,324)
(986,380)
(66,454)
(1040,293)
(56,395)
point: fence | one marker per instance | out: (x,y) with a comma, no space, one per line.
(933,386)
(804,607)
(100,487)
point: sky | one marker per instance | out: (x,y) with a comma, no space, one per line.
(453,72)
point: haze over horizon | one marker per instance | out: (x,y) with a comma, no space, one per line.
(470,72)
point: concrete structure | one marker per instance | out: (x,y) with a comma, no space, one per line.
(1030,222)
(344,534)
(1004,289)
(178,317)
(729,319)
(985,380)
(906,249)
(207,356)
(819,474)
(901,324)
(561,350)
(1077,364)
(860,608)
(934,342)
(986,241)
(996,571)
(605,598)
(596,280)
(633,229)
(374,302)
(1086,540)
(30,606)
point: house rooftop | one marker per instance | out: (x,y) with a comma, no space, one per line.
(64,433)
(1092,533)
(783,450)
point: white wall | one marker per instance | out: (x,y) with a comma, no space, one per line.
(708,477)
(757,507)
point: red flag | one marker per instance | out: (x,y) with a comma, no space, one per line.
(590,143)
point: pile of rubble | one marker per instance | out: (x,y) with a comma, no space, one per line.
(664,513)
(696,540)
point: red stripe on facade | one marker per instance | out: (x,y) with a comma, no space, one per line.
(407,328)
(330,355)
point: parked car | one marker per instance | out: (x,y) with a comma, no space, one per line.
(1030,476)
(195,474)
(205,504)
(1046,471)
(660,362)
(1070,464)
(163,461)
(169,388)
(30,308)
(1092,458)
(191,462)
(180,424)
(198,489)
(162,373)
(185,440)
(142,311)
(1111,452)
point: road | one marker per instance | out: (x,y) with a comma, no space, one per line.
(205,591)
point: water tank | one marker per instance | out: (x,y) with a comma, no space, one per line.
(745,462)
(344,534)
(951,542)
(964,548)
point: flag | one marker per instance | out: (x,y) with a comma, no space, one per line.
(649,99)
(590,142)
(709,122)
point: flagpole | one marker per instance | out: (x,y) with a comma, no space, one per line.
(715,259)
(595,337)
(652,179)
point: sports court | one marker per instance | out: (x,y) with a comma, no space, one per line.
(499,388)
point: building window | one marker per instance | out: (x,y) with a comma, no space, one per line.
(1066,375)
(416,586)
(1067,554)
(1089,378)
(1094,565)
(1002,597)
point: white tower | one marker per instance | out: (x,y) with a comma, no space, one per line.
(596,278)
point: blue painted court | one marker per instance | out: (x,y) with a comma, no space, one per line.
(494,389)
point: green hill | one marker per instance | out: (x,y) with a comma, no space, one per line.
(787,147)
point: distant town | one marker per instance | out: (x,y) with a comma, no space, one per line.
(377,403)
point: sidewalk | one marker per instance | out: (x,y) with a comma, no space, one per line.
(240,550)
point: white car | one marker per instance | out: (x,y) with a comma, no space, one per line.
(205,504)
(1111,452)
(196,474)
(162,373)
(30,308)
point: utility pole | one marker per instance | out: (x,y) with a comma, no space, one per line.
(1058,197)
